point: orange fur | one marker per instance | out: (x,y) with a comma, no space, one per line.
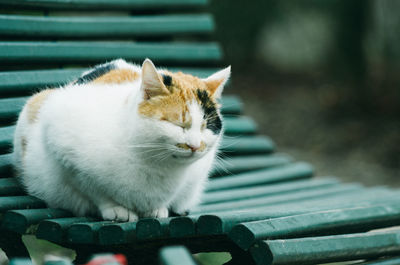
(173,107)
(118,76)
(35,102)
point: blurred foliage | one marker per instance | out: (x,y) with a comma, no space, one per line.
(352,46)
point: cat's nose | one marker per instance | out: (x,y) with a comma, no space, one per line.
(193,148)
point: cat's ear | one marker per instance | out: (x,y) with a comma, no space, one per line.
(215,82)
(152,84)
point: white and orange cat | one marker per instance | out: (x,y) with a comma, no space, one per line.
(122,141)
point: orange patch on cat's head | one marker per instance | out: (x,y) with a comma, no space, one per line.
(118,76)
(173,106)
(167,94)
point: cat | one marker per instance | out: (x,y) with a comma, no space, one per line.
(122,142)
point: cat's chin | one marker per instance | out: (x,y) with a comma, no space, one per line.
(187,157)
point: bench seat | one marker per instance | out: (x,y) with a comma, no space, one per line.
(262,206)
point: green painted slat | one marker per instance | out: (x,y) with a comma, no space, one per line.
(240,164)
(57,262)
(231,105)
(68,51)
(247,145)
(24,82)
(176,255)
(222,222)
(277,199)
(266,190)
(313,250)
(310,224)
(6,136)
(155,25)
(20,202)
(239,125)
(299,170)
(85,233)
(151,228)
(24,221)
(184,226)
(6,169)
(10,108)
(20,261)
(54,230)
(384,261)
(117,233)
(10,186)
(105,4)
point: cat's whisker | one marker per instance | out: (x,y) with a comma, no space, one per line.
(220,166)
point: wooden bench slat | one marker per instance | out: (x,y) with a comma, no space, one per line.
(54,230)
(104,4)
(85,233)
(341,221)
(20,261)
(277,199)
(326,249)
(246,145)
(266,190)
(176,255)
(239,125)
(10,186)
(96,51)
(183,226)
(240,164)
(117,233)
(6,168)
(382,261)
(222,222)
(6,138)
(10,108)
(81,26)
(24,82)
(19,202)
(23,221)
(151,228)
(299,170)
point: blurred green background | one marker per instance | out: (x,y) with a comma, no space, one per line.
(321,78)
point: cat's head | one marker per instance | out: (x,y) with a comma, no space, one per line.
(181,111)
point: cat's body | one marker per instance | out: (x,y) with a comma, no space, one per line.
(121,141)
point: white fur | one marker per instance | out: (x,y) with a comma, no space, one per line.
(91,152)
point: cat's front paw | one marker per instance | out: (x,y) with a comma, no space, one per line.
(158,213)
(118,213)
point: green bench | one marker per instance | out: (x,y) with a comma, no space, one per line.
(265,208)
